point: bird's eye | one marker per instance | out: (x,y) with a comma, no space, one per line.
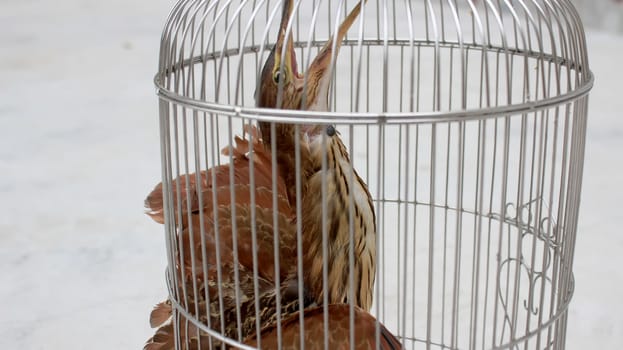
(330,130)
(277,77)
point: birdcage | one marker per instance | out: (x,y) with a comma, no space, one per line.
(370,175)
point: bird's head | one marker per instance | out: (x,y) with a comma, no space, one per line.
(280,81)
(282,86)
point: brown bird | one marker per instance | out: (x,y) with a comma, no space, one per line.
(310,91)
(197,204)
(200,284)
(338,337)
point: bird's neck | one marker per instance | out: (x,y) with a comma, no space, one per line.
(283,138)
(348,212)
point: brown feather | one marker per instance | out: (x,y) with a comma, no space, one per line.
(197,268)
(163,339)
(217,177)
(339,334)
(160,314)
(208,220)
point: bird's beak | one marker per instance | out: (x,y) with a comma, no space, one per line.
(285,38)
(274,77)
(319,73)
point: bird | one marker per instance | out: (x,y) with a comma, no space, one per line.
(310,91)
(205,198)
(365,331)
(208,202)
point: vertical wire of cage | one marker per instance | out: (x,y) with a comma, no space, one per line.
(466,120)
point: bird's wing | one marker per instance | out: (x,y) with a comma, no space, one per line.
(210,214)
(186,191)
(213,297)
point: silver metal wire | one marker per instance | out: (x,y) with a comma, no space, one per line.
(465,118)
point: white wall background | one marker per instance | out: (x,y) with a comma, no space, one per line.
(601,14)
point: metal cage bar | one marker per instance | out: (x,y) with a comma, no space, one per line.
(464,120)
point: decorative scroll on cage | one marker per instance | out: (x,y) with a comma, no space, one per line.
(464,119)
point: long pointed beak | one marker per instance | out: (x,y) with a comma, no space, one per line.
(289,60)
(319,72)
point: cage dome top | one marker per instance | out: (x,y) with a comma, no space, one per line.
(401,61)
